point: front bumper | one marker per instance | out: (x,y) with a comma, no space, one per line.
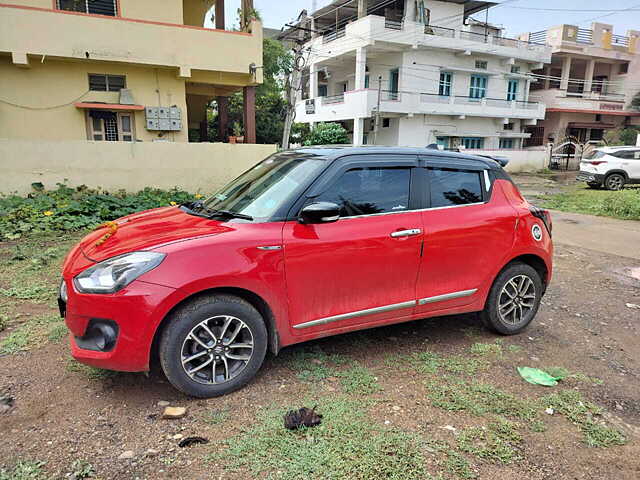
(589,177)
(135,312)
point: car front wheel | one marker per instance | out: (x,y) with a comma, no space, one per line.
(513,300)
(213,346)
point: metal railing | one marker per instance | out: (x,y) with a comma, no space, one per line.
(466,100)
(331,99)
(392,24)
(473,36)
(439,31)
(331,36)
(620,40)
(434,98)
(390,95)
(538,37)
(584,35)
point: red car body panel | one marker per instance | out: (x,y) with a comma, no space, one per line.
(309,272)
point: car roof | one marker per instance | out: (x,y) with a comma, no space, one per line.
(616,149)
(332,152)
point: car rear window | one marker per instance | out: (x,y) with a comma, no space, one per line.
(449,187)
(594,155)
(627,154)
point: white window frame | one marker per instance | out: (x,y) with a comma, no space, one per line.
(123,136)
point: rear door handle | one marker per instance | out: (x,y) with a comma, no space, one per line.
(406,233)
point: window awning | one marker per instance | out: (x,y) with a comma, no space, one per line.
(108,106)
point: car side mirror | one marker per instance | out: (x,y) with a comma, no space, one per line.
(320,212)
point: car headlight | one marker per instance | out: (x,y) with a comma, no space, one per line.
(63,292)
(116,273)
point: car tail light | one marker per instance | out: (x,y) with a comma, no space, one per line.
(595,162)
(543,215)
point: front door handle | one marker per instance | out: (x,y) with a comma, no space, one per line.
(406,233)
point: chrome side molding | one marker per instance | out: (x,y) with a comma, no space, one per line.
(270,247)
(357,313)
(447,296)
(386,308)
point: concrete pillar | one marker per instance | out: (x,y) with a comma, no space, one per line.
(362,8)
(361,67)
(527,87)
(566,70)
(249,114)
(313,80)
(223,118)
(547,81)
(358,131)
(410,10)
(220,14)
(588,75)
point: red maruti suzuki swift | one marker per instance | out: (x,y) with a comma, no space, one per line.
(308,243)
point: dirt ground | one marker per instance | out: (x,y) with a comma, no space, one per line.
(66,417)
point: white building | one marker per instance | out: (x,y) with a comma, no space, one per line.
(438,76)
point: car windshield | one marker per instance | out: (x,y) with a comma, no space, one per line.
(259,192)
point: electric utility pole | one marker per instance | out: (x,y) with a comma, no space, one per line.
(376,124)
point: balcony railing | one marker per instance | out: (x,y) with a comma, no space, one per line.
(538,37)
(434,98)
(466,100)
(584,35)
(392,24)
(439,31)
(332,99)
(331,36)
(620,40)
(390,95)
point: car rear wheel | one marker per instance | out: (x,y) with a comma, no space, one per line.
(513,300)
(615,181)
(213,346)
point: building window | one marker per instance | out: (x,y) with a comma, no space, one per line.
(507,126)
(507,143)
(322,90)
(106,83)
(95,7)
(386,122)
(481,64)
(624,68)
(478,86)
(366,81)
(537,136)
(598,117)
(596,134)
(105,125)
(512,89)
(473,143)
(445,84)
(515,68)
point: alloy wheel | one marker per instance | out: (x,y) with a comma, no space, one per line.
(517,299)
(615,182)
(217,349)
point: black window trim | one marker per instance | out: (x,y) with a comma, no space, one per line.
(339,166)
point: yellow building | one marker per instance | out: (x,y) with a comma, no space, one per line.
(121,70)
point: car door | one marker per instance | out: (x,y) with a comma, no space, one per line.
(361,269)
(469,230)
(630,162)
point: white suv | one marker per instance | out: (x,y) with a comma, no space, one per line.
(611,167)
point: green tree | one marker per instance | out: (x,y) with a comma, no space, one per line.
(276,65)
(327,134)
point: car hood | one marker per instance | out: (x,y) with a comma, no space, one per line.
(142,231)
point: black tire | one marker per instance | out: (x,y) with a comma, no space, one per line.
(490,316)
(215,309)
(615,181)
(594,185)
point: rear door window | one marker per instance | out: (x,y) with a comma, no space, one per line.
(366,191)
(450,187)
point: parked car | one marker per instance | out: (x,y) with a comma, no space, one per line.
(308,243)
(610,167)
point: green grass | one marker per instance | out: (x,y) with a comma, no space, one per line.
(584,414)
(430,363)
(454,462)
(28,289)
(30,334)
(4,321)
(216,417)
(498,442)
(479,399)
(346,445)
(313,364)
(58,332)
(487,349)
(23,470)
(358,380)
(82,469)
(624,204)
(90,372)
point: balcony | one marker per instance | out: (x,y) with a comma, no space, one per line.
(363,103)
(570,37)
(373,28)
(588,101)
(46,32)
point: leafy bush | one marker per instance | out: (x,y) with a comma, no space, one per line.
(66,209)
(327,134)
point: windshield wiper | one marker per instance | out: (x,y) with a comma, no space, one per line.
(227,214)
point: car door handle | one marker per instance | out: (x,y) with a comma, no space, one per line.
(406,233)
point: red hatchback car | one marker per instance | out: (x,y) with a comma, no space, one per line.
(308,243)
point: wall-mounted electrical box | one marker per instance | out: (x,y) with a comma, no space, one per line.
(163,118)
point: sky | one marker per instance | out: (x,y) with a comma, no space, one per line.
(514,15)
